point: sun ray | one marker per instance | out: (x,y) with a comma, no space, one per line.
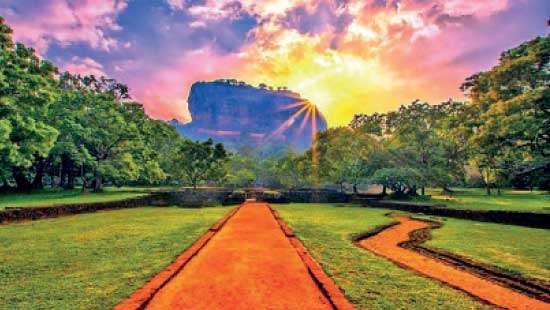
(293,105)
(286,124)
(307,115)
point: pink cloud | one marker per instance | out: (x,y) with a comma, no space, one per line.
(66,22)
(84,66)
(164,94)
(479,8)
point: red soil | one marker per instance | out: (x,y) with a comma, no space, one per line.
(141,296)
(248,264)
(386,244)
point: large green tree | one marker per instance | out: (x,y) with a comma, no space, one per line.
(200,162)
(343,155)
(513,100)
(27,89)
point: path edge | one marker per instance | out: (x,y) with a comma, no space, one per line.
(415,245)
(325,284)
(142,296)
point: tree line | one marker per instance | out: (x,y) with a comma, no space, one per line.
(63,130)
(502,134)
(499,138)
(66,130)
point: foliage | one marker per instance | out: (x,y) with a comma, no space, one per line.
(513,102)
(241,170)
(198,162)
(284,168)
(65,128)
(503,132)
(401,181)
(27,89)
(344,155)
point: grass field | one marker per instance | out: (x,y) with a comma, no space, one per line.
(510,200)
(44,198)
(92,261)
(369,281)
(517,249)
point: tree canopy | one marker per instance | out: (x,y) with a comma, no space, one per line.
(63,129)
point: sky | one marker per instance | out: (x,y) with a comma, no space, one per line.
(345,56)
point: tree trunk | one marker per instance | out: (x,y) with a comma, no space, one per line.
(83,178)
(37,181)
(68,167)
(423,191)
(384,190)
(488,189)
(97,183)
(498,190)
(355,188)
(62,172)
(341,187)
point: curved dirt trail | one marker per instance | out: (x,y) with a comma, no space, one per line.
(386,243)
(249,264)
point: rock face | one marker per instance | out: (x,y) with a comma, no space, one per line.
(236,113)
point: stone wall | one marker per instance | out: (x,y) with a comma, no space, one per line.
(529,219)
(304,196)
(185,198)
(34,213)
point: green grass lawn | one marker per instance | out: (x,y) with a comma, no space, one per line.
(521,250)
(510,200)
(44,198)
(93,261)
(369,281)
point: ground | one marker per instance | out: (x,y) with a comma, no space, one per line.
(387,244)
(248,264)
(93,260)
(368,280)
(96,260)
(44,198)
(510,200)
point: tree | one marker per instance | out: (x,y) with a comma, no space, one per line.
(292,170)
(108,138)
(69,128)
(513,100)
(430,139)
(27,88)
(198,162)
(401,181)
(343,156)
(241,170)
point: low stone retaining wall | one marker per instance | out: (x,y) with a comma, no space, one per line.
(34,213)
(195,198)
(529,219)
(185,198)
(305,196)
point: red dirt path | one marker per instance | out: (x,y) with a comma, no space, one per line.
(386,244)
(248,264)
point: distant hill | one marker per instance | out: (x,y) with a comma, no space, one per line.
(236,113)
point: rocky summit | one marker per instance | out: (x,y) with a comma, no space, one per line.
(236,113)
